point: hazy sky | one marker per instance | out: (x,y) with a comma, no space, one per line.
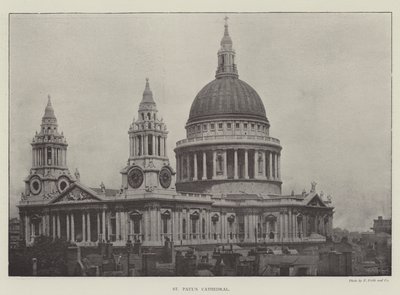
(324,80)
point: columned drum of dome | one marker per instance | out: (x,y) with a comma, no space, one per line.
(227,147)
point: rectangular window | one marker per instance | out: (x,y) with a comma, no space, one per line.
(220,126)
(229,125)
(237,125)
(259,127)
(204,127)
(245,125)
(252,126)
(212,126)
(198,128)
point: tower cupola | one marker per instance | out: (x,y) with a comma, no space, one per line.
(226,56)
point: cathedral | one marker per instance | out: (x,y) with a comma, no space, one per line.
(226,187)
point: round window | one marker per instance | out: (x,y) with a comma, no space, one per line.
(35,185)
(62,184)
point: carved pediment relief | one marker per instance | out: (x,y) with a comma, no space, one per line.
(76,195)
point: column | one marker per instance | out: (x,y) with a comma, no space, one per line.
(290,225)
(58,225)
(44,225)
(173,232)
(204,166)
(195,166)
(251,228)
(235,165)
(123,225)
(117,226)
(223,226)
(287,225)
(188,225)
(278,166)
(146,144)
(98,226)
(159,225)
(103,223)
(225,173)
(281,220)
(154,145)
(271,176)
(178,172)
(54,226)
(88,228)
(264,174)
(246,164)
(180,224)
(27,233)
(255,164)
(72,227)
(188,166)
(183,166)
(130,146)
(136,146)
(165,146)
(214,164)
(108,219)
(83,227)
(153,225)
(67,223)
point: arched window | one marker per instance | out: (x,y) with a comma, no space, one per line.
(148,116)
(194,226)
(150,144)
(49,156)
(143,116)
(203,228)
(154,116)
(220,164)
(260,163)
(136,226)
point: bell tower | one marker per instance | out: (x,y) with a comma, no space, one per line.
(49,173)
(148,165)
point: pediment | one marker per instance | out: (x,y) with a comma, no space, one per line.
(77,193)
(316,202)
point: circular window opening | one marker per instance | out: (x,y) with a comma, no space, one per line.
(35,185)
(63,185)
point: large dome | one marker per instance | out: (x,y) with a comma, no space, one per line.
(227,97)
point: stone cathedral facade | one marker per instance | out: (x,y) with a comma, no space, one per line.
(226,188)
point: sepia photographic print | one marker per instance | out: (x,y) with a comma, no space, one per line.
(200,144)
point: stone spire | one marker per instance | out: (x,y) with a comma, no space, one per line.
(147,104)
(49,120)
(226,56)
(226,41)
(49,111)
(147,94)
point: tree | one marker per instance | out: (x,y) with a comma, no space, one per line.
(51,258)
